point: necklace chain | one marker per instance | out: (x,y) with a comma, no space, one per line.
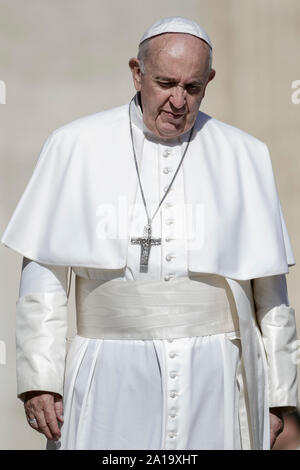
(138,173)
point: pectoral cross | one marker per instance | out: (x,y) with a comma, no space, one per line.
(146,242)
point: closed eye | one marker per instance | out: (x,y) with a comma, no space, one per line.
(191,88)
(167,84)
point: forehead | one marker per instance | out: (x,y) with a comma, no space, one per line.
(177,53)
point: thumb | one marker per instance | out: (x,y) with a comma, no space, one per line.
(58,406)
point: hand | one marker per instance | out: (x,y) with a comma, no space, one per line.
(276,424)
(47,409)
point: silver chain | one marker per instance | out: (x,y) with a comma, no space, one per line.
(138,173)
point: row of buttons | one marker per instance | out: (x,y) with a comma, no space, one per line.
(169,221)
(172,394)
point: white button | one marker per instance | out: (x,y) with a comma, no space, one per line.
(172,434)
(167,153)
(167,278)
(169,204)
(172,394)
(167,170)
(170,340)
(168,239)
(169,221)
(172,355)
(173,374)
(170,257)
(167,187)
(173,414)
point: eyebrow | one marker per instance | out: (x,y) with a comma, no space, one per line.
(173,80)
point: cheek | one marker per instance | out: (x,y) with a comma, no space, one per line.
(160,101)
(194,105)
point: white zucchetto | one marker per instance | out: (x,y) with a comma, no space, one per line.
(176,24)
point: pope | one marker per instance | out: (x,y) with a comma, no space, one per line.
(171,224)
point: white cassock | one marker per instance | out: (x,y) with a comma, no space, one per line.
(190,391)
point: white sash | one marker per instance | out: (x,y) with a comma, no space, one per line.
(155,309)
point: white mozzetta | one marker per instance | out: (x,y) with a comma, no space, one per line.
(76,208)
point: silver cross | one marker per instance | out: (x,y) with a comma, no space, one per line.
(146,242)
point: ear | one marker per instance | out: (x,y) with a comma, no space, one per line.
(211,77)
(134,65)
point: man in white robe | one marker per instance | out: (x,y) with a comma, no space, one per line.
(165,380)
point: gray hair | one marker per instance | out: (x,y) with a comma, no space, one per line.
(144,49)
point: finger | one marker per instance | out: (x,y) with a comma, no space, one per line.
(59,410)
(51,421)
(32,421)
(272,440)
(43,426)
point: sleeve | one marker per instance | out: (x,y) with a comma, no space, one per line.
(276,320)
(41,328)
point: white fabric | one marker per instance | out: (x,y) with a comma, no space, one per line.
(237,192)
(41,329)
(117,392)
(40,280)
(90,362)
(49,234)
(176,24)
(77,207)
(154,309)
(193,351)
(275,317)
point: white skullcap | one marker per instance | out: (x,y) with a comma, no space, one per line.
(176,24)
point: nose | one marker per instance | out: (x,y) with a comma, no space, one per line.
(177,97)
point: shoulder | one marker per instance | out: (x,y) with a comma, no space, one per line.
(231,135)
(94,124)
(84,136)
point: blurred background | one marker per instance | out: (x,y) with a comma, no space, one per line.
(63,59)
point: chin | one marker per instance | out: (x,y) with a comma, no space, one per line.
(168,132)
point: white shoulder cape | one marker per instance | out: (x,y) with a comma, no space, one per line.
(85,178)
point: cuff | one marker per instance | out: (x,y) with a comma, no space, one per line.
(281,346)
(41,329)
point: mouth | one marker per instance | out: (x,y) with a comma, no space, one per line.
(173,115)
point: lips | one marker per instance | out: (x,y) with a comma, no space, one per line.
(175,115)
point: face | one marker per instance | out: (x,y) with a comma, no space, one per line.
(173,84)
